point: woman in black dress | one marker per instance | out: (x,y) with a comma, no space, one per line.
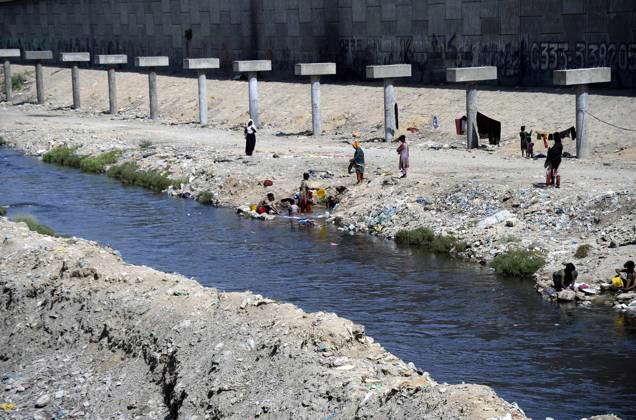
(250,138)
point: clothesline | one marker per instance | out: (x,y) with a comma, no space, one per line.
(608,123)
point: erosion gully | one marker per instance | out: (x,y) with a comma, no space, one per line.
(458,321)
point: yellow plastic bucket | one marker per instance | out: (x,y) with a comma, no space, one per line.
(617,282)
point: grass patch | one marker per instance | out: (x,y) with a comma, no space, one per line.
(67,156)
(130,174)
(3,211)
(509,238)
(18,81)
(426,239)
(145,145)
(518,262)
(64,156)
(96,164)
(205,197)
(34,225)
(583,251)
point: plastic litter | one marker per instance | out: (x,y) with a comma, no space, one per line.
(7,406)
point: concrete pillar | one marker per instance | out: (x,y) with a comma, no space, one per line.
(74,58)
(581,78)
(110,61)
(76,86)
(7,80)
(389,73)
(5,55)
(472,136)
(582,149)
(201,65)
(151,63)
(470,76)
(251,67)
(203,99)
(315,70)
(152,94)
(39,82)
(253,96)
(389,110)
(112,91)
(38,56)
(316,120)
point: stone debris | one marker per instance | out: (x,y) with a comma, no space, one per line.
(196,354)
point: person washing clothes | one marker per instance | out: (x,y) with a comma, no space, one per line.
(357,162)
(627,275)
(250,138)
(267,205)
(564,279)
(403,151)
(305,195)
(553,161)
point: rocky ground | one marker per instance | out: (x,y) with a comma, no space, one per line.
(491,198)
(86,335)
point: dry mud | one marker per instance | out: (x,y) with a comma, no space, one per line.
(87,335)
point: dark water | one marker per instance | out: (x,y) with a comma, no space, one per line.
(457,321)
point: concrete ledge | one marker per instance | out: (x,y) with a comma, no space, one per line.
(582,76)
(75,57)
(471,74)
(252,66)
(315,69)
(10,53)
(390,71)
(38,55)
(111,59)
(201,63)
(159,61)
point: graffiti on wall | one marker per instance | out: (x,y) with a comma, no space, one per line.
(558,55)
(529,61)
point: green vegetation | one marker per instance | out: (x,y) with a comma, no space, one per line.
(18,81)
(205,197)
(34,225)
(130,174)
(96,164)
(66,156)
(518,262)
(425,238)
(583,251)
(145,145)
(509,238)
(3,211)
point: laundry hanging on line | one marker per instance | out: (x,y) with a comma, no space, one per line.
(487,128)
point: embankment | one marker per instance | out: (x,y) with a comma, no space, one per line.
(86,334)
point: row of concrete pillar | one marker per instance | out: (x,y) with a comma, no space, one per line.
(580,78)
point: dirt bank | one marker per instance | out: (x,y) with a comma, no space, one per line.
(87,335)
(450,189)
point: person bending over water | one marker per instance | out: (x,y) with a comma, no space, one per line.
(267,205)
(564,279)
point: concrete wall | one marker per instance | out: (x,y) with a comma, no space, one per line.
(526,39)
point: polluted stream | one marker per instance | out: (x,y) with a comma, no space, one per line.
(458,321)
